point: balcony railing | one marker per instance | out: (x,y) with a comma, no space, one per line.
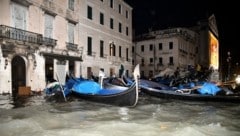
(72,46)
(49,41)
(25,36)
(20,35)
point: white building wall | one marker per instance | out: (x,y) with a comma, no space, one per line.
(35,22)
(183,52)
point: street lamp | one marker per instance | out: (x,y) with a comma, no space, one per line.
(229,64)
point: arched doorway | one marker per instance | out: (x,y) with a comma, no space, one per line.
(18,74)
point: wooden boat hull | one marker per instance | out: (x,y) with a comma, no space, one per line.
(170,94)
(129,97)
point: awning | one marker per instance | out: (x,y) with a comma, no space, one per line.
(61,57)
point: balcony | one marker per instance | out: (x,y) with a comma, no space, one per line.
(25,36)
(20,35)
(72,46)
(49,42)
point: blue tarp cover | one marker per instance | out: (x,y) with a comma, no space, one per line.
(87,87)
(209,88)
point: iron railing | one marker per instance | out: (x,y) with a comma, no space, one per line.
(71,46)
(25,36)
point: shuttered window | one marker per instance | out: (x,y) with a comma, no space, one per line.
(19,16)
(48,26)
(71,32)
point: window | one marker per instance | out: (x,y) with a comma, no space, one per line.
(120,51)
(127,54)
(89,49)
(132,49)
(160,46)
(126,30)
(119,8)
(170,60)
(120,28)
(142,48)
(142,74)
(111,23)
(150,74)
(101,48)
(111,3)
(150,47)
(71,4)
(142,61)
(48,26)
(89,12)
(151,60)
(170,45)
(71,32)
(160,61)
(19,16)
(126,14)
(112,49)
(101,18)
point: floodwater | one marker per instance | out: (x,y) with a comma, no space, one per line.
(34,116)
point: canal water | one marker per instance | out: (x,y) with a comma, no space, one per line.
(33,116)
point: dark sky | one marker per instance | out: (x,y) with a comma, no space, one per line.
(162,14)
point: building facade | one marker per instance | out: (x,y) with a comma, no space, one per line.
(169,48)
(42,40)
(106,36)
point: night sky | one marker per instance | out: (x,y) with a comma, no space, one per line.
(161,14)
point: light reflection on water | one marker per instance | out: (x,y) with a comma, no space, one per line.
(151,117)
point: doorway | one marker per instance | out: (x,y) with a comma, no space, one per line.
(49,70)
(18,74)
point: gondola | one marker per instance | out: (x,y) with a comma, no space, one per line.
(107,93)
(192,94)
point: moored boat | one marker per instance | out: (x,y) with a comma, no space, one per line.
(195,94)
(108,94)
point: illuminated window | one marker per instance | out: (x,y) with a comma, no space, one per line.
(112,49)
